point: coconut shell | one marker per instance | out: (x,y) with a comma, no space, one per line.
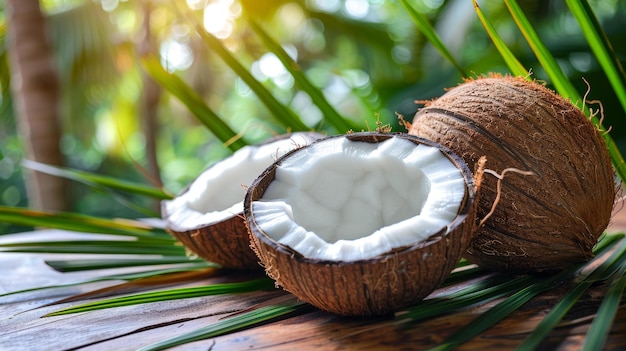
(543,222)
(226,243)
(375,286)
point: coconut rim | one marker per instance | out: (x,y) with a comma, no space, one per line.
(265,178)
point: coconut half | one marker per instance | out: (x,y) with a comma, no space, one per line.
(363,223)
(207,217)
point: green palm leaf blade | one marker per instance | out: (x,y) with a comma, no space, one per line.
(537,286)
(501,310)
(479,292)
(608,268)
(147,282)
(171,294)
(429,32)
(97,247)
(332,116)
(509,58)
(95,180)
(76,265)
(248,319)
(282,113)
(600,46)
(177,87)
(79,223)
(194,266)
(601,325)
(560,80)
(547,61)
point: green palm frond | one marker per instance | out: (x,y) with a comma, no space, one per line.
(177,87)
(331,115)
(429,32)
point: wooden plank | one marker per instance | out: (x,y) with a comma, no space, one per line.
(128,328)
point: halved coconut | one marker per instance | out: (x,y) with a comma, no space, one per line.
(363,223)
(207,217)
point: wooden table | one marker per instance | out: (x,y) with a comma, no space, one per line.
(129,328)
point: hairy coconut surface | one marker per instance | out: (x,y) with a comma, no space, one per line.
(543,222)
(363,223)
(207,217)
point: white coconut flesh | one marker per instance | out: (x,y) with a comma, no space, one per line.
(343,200)
(217,194)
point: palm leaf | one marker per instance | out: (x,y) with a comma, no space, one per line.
(129,277)
(279,111)
(604,271)
(97,180)
(562,84)
(252,318)
(78,222)
(101,247)
(475,293)
(429,32)
(177,87)
(600,46)
(519,298)
(509,58)
(332,116)
(76,265)
(172,294)
(601,325)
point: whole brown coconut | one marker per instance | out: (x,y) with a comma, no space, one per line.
(306,214)
(545,221)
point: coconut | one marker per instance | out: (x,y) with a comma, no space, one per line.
(362,223)
(207,216)
(541,222)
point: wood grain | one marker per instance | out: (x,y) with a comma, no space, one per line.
(128,328)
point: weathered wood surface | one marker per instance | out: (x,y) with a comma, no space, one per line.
(128,328)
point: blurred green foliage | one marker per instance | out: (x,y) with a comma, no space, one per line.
(365,55)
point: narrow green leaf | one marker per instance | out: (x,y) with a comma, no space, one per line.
(430,34)
(512,62)
(122,277)
(547,61)
(77,222)
(76,265)
(479,292)
(172,294)
(498,312)
(607,268)
(511,304)
(95,180)
(551,320)
(600,46)
(194,103)
(332,116)
(601,325)
(141,284)
(238,322)
(122,248)
(562,84)
(282,113)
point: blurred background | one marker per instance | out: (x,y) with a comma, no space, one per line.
(366,56)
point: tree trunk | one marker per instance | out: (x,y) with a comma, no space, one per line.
(35,88)
(150,97)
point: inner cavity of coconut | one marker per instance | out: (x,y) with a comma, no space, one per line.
(217,194)
(343,200)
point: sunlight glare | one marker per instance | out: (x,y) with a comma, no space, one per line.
(219,18)
(357,8)
(176,55)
